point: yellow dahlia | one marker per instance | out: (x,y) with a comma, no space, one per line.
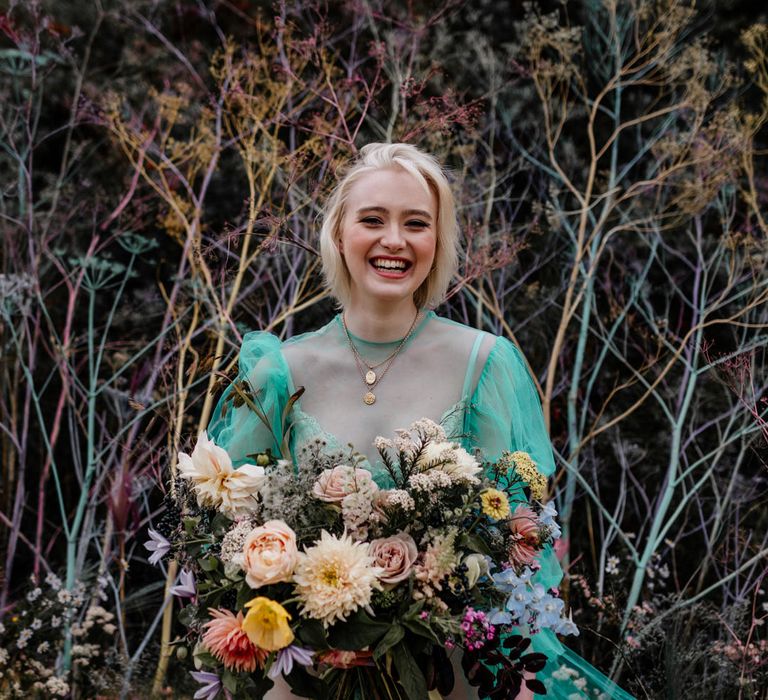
(335,577)
(495,504)
(266,624)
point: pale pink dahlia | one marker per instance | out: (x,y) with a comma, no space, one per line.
(524,541)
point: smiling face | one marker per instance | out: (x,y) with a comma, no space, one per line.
(388,235)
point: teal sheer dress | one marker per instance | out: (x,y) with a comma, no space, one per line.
(475,383)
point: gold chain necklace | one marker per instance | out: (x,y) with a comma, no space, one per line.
(370,378)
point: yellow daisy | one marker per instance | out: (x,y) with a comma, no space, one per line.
(495,504)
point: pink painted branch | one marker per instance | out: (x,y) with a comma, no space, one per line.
(23,538)
(55,430)
(131,188)
(20,495)
(59,356)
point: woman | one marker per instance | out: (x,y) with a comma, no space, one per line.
(389,245)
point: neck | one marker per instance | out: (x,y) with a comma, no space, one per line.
(380,324)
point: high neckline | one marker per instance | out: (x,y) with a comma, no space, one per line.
(390,343)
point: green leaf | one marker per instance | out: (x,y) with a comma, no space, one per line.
(220,524)
(229,680)
(475,543)
(258,687)
(312,633)
(190,523)
(414,610)
(392,637)
(209,563)
(410,676)
(422,629)
(243,596)
(205,657)
(305,685)
(188,614)
(41,59)
(358,632)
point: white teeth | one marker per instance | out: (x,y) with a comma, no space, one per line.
(389,265)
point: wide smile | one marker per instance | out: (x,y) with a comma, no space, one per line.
(392,268)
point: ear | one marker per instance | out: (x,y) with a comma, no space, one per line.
(340,246)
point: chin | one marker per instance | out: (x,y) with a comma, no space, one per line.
(394,292)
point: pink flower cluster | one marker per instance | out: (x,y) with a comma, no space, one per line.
(477,629)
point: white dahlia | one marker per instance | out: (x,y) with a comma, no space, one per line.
(450,458)
(335,577)
(464,467)
(217,483)
(435,453)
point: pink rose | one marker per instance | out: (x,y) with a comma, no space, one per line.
(395,554)
(333,484)
(269,554)
(379,502)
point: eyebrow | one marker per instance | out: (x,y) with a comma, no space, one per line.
(407,212)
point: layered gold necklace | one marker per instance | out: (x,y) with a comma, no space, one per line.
(368,371)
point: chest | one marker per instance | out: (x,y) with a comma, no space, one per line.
(425,384)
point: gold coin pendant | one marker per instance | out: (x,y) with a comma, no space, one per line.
(369,398)
(370,377)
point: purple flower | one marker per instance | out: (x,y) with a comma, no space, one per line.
(185,589)
(211,685)
(287,657)
(158,545)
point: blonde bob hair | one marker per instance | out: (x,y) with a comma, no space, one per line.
(427,170)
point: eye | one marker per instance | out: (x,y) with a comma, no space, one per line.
(418,224)
(371,220)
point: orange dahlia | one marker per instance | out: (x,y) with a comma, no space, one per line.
(227,641)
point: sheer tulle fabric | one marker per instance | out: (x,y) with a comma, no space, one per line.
(492,404)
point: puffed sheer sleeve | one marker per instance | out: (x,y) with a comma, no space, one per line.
(506,411)
(505,414)
(237,427)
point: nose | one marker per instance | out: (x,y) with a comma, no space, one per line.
(392,236)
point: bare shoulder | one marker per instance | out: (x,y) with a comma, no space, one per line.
(462,338)
(299,349)
(310,350)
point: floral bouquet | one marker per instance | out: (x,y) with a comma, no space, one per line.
(313,572)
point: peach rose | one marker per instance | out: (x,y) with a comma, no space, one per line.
(269,554)
(395,554)
(333,484)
